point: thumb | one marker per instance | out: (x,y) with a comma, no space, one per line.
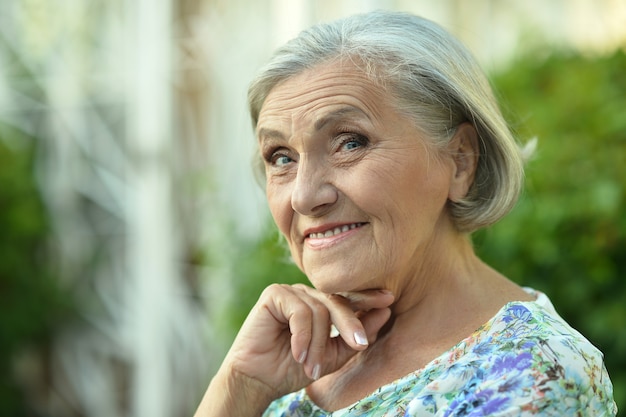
(372,321)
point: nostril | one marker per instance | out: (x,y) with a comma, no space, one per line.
(313,194)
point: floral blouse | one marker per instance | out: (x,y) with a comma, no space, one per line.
(525,361)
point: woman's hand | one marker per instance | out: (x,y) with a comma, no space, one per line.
(285,342)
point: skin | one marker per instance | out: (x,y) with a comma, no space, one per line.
(338,155)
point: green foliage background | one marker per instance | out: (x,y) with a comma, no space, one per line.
(567,236)
(32,302)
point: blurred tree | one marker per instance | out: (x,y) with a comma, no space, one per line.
(567,236)
(31,299)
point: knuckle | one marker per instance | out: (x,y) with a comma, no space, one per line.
(302,334)
(272,291)
(320,310)
(302,311)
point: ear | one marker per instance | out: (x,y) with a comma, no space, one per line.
(464,151)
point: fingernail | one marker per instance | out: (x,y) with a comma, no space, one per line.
(302,357)
(360,338)
(316,372)
(385,292)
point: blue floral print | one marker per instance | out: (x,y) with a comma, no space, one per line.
(525,361)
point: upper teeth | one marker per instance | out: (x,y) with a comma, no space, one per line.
(335,231)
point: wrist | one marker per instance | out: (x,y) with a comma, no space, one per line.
(234,393)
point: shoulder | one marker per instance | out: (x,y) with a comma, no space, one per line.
(526,360)
(538,331)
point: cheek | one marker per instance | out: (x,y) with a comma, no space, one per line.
(416,191)
(279,202)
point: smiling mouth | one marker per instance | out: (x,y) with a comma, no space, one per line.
(335,231)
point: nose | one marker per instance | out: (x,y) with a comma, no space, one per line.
(313,193)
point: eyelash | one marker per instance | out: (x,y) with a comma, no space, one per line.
(272,156)
(346,138)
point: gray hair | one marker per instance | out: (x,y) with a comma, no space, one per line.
(434,79)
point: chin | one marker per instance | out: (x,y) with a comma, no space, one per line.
(336,283)
(329,286)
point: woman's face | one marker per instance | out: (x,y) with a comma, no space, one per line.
(356,189)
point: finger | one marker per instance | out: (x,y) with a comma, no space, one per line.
(373,321)
(346,322)
(342,308)
(369,299)
(341,317)
(369,325)
(358,300)
(299,319)
(345,311)
(320,335)
(289,312)
(304,316)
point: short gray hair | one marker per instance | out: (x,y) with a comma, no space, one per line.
(434,79)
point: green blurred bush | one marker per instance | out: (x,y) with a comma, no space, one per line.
(567,236)
(31,300)
(260,264)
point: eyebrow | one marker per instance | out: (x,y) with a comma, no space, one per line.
(338,114)
(264,133)
(269,133)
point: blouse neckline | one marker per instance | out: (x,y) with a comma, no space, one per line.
(541,300)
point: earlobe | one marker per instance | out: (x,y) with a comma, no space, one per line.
(464,151)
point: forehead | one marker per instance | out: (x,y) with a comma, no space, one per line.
(339,88)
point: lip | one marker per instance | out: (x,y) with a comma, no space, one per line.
(346,228)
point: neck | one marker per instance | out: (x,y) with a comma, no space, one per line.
(443,301)
(449,294)
(446,268)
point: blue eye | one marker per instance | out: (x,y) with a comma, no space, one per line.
(282,160)
(278,157)
(353,142)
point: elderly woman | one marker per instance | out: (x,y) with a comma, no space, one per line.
(383,149)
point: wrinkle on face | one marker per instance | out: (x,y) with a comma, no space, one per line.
(396,184)
(293,107)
